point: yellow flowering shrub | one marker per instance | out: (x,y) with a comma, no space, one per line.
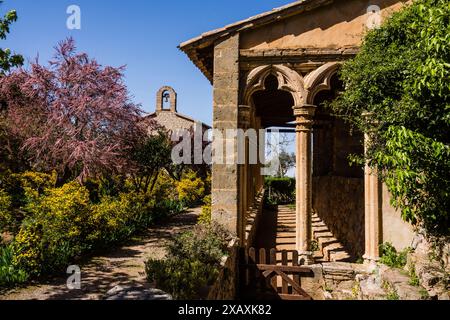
(27,249)
(165,187)
(57,228)
(116,219)
(205,216)
(191,189)
(5,210)
(35,184)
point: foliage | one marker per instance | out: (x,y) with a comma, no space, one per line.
(287,162)
(56,230)
(5,210)
(73,116)
(58,226)
(398,93)
(206,243)
(414,278)
(280,190)
(191,189)
(183,278)
(192,263)
(9,275)
(21,190)
(205,216)
(116,219)
(392,258)
(8,60)
(149,155)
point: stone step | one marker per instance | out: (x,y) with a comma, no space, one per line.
(339,256)
(321,229)
(323,234)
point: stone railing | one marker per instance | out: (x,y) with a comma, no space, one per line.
(252,220)
(225,286)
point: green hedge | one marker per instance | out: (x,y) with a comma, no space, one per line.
(280,190)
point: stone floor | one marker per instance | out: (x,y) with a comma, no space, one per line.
(117,275)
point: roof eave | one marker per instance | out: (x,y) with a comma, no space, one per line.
(209,38)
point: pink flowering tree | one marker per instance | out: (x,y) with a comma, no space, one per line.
(73,116)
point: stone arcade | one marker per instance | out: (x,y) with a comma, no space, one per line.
(276,70)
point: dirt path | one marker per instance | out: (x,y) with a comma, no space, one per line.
(123,267)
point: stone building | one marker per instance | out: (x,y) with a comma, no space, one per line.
(166,113)
(275,70)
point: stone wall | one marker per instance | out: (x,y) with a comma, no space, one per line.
(395,230)
(339,201)
(172,121)
(225,287)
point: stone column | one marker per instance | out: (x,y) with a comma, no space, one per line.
(373,210)
(244,123)
(225,177)
(304,120)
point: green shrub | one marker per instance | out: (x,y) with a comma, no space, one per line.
(9,274)
(392,258)
(205,243)
(205,216)
(280,190)
(192,264)
(184,278)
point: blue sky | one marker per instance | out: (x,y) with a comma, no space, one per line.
(141,34)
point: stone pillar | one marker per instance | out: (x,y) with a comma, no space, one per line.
(244,123)
(225,191)
(262,156)
(304,120)
(373,211)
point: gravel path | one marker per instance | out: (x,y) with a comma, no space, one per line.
(123,267)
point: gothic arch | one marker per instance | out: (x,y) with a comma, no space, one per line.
(172,98)
(319,80)
(288,80)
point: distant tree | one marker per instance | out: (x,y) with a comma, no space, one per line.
(74,116)
(287,162)
(7,58)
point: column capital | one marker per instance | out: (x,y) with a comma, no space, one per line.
(305,110)
(304,116)
(244,113)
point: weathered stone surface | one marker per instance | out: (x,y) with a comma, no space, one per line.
(332,205)
(136,293)
(399,283)
(370,289)
(338,271)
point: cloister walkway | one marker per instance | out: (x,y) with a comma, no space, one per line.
(277,229)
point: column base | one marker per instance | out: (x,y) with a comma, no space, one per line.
(370,259)
(306,258)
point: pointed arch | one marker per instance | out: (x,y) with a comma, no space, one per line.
(320,79)
(288,80)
